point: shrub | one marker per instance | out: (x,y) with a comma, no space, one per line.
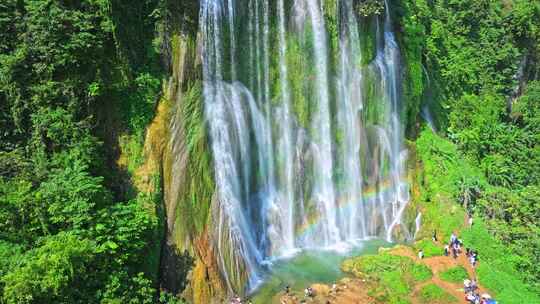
(395,275)
(455,274)
(421,272)
(496,270)
(432,293)
(430,249)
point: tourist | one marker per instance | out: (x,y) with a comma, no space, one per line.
(467,252)
(446,250)
(287,290)
(485,298)
(453,238)
(420,254)
(454,251)
(434,237)
(472,260)
(474,257)
(334,288)
(470,220)
(459,244)
(470,297)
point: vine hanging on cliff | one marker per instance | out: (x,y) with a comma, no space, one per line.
(368,8)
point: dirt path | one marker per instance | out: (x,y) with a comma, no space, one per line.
(355,290)
(437,265)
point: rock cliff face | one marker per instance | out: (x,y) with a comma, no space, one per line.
(176,146)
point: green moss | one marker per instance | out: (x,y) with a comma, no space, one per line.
(194,209)
(368,43)
(299,71)
(455,274)
(375,108)
(432,293)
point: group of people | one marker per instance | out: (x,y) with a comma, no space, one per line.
(453,247)
(472,293)
(472,255)
(470,287)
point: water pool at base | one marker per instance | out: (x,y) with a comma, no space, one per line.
(309,267)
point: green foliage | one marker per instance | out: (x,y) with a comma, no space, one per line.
(71,196)
(368,8)
(455,274)
(69,82)
(498,266)
(507,270)
(56,272)
(140,104)
(420,273)
(432,293)
(429,248)
(440,191)
(394,275)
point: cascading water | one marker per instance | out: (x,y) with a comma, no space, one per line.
(307,144)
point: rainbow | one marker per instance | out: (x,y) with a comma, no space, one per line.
(368,193)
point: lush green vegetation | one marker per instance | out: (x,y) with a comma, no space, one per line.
(432,293)
(429,248)
(79,81)
(481,60)
(455,274)
(393,277)
(445,170)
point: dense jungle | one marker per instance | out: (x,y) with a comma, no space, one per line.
(269,151)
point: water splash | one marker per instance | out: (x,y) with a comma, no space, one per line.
(417,223)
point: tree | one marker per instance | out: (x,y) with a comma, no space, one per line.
(59,271)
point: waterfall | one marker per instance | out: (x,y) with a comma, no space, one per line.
(418,223)
(306,138)
(285,145)
(323,192)
(350,106)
